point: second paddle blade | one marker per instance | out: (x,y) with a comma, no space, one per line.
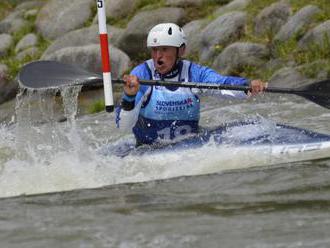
(318,92)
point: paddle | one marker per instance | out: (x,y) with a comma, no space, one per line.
(52,74)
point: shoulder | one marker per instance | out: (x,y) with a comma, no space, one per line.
(141,71)
(198,72)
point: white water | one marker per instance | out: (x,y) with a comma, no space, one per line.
(38,154)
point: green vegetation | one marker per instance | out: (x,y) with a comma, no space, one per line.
(142,5)
(199,12)
(289,50)
(149,4)
(5,8)
(89,22)
(10,60)
(311,61)
(285,51)
(96,107)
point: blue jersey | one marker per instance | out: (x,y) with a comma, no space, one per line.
(166,113)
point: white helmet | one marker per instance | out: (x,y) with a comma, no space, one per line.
(166,34)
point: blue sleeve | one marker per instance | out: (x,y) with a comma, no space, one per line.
(142,72)
(199,73)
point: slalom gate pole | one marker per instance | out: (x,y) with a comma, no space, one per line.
(106,66)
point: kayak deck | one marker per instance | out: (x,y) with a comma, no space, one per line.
(251,135)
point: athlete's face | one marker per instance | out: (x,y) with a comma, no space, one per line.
(164,58)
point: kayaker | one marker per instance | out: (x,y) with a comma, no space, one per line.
(156,113)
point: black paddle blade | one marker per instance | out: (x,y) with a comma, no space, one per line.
(318,93)
(53,74)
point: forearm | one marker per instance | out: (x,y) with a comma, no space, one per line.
(126,115)
(208,75)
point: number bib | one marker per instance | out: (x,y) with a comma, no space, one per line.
(168,113)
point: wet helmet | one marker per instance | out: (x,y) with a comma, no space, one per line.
(166,34)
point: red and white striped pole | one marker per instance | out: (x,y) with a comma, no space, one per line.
(106,66)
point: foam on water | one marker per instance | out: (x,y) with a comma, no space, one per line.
(39,154)
(48,168)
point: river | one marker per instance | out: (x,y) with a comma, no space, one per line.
(58,190)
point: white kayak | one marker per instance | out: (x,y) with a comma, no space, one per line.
(267,142)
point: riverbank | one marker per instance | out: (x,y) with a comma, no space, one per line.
(283,42)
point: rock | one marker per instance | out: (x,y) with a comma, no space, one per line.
(192,31)
(317,69)
(13,22)
(184,3)
(58,17)
(134,39)
(31,52)
(84,36)
(236,5)
(6,41)
(27,41)
(274,64)
(29,5)
(318,35)
(3,73)
(31,13)
(239,55)
(8,89)
(222,31)
(270,19)
(118,9)
(287,77)
(297,22)
(88,57)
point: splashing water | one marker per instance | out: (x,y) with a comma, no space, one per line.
(41,153)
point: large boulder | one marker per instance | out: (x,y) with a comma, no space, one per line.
(288,77)
(84,36)
(29,5)
(134,40)
(192,31)
(8,88)
(239,55)
(220,32)
(89,58)
(297,22)
(6,41)
(29,40)
(119,9)
(184,3)
(58,17)
(13,22)
(271,18)
(320,35)
(232,6)
(28,53)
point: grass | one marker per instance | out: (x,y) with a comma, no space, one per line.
(141,5)
(10,60)
(96,107)
(285,51)
(199,12)
(256,6)
(5,8)
(289,51)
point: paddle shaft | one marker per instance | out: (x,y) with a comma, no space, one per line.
(98,82)
(52,74)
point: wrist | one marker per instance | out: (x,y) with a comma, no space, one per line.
(129,98)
